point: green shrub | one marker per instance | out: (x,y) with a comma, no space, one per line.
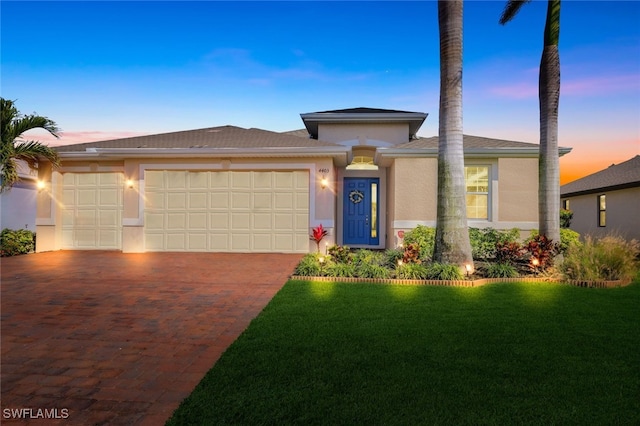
(372,270)
(565,218)
(425,238)
(568,237)
(444,271)
(502,270)
(484,241)
(411,271)
(607,258)
(339,269)
(13,242)
(368,257)
(392,256)
(309,266)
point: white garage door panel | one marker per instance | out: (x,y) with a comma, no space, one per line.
(244,211)
(92,210)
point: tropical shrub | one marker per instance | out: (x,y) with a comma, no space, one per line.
(484,241)
(339,269)
(340,254)
(608,258)
(392,256)
(411,271)
(411,254)
(541,249)
(502,270)
(443,271)
(565,218)
(508,252)
(424,237)
(309,266)
(372,270)
(568,237)
(14,242)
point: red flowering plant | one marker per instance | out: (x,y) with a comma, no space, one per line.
(318,233)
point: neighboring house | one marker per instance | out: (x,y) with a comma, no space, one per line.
(18,204)
(362,173)
(606,202)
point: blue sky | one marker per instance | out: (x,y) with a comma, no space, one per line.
(113,69)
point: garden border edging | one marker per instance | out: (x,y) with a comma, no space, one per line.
(466,283)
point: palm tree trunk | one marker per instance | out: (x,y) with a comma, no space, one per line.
(549,96)
(452,234)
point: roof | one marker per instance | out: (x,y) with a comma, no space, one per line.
(211,137)
(363,115)
(616,176)
(473,145)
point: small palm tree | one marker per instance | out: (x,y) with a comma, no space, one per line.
(13,149)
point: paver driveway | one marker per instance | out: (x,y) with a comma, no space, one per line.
(111,338)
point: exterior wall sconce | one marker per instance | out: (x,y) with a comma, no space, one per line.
(41,185)
(324,182)
(130,183)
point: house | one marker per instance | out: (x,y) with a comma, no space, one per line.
(606,202)
(18,204)
(362,173)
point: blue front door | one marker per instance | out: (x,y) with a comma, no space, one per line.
(360,217)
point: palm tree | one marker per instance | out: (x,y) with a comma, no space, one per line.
(549,99)
(13,149)
(452,243)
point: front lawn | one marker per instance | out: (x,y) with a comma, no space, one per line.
(345,353)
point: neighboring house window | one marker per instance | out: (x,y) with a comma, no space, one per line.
(565,205)
(477,184)
(602,210)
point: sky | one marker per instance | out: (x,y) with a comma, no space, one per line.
(104,70)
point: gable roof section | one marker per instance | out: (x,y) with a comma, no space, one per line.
(616,176)
(211,137)
(473,145)
(223,141)
(363,115)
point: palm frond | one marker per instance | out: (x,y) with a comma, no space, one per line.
(511,9)
(31,151)
(29,122)
(8,174)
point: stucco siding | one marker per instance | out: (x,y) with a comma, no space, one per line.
(415,183)
(622,213)
(517,190)
(394,133)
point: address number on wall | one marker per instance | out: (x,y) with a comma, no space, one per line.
(323,170)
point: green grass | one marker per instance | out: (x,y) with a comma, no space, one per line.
(337,353)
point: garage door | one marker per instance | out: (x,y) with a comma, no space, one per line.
(227,211)
(92,210)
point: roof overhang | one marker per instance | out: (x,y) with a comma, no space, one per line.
(385,156)
(339,154)
(313,119)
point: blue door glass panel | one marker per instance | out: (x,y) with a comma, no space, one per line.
(357,215)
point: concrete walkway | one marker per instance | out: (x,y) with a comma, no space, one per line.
(95,337)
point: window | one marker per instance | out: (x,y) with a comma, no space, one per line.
(602,210)
(477,183)
(565,205)
(362,162)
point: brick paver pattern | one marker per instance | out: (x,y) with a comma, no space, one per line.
(112,338)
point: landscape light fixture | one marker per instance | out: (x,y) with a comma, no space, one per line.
(468,268)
